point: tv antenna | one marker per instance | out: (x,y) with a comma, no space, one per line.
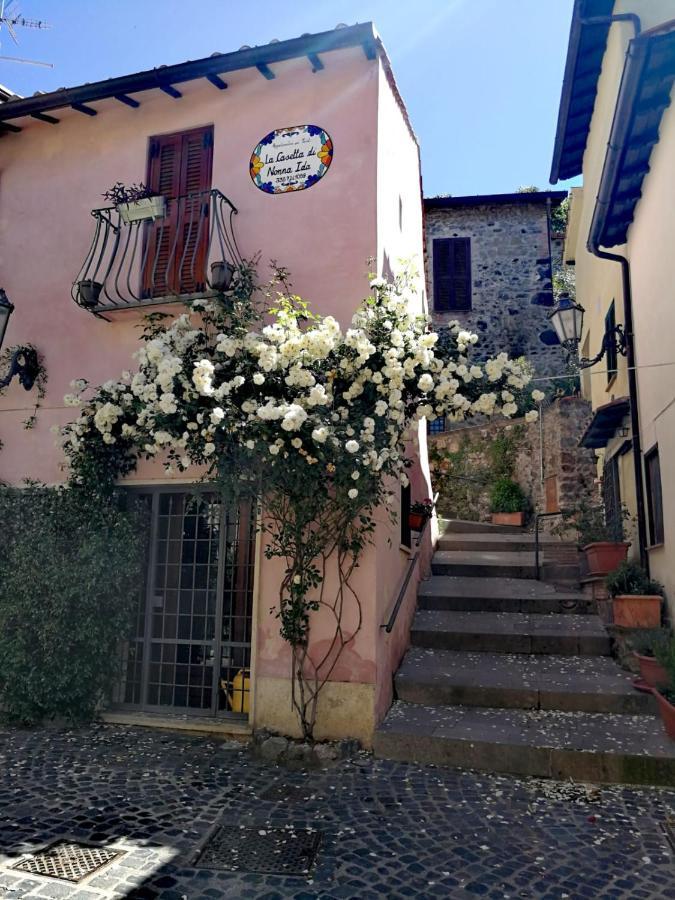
(11,18)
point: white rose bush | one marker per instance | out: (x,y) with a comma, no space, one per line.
(284,406)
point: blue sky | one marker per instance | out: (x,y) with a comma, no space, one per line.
(481,78)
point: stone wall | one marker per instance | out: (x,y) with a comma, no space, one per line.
(511,270)
(552,469)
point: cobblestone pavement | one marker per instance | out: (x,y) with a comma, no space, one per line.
(388,829)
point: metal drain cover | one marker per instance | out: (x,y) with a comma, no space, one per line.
(267,851)
(67,861)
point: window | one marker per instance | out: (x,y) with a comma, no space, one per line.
(452,274)
(406,533)
(610,325)
(436,426)
(654,496)
(179,168)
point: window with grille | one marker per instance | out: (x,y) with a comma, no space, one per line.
(452,274)
(436,426)
(654,496)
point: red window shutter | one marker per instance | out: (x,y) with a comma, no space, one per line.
(179,168)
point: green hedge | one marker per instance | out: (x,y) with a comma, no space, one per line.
(71,566)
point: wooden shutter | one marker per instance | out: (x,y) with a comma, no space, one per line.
(179,168)
(452,274)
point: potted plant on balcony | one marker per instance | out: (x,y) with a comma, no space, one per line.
(88,292)
(221,275)
(647,645)
(135,203)
(665,694)
(507,502)
(419,513)
(636,599)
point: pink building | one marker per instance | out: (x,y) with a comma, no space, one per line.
(218,138)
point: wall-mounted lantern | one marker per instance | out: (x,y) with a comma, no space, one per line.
(567,317)
(24,360)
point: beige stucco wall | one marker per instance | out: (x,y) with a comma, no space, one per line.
(649,249)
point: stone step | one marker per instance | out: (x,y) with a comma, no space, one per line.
(463,526)
(458,592)
(483,564)
(564,635)
(494,542)
(586,747)
(518,681)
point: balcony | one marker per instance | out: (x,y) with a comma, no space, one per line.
(187,252)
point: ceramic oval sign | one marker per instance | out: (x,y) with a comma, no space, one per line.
(291,159)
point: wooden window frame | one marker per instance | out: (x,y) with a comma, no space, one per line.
(654,497)
(452,305)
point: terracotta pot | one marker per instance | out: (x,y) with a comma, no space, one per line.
(605,556)
(637,611)
(651,670)
(416,521)
(508,518)
(667,711)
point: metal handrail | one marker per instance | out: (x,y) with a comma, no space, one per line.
(538,516)
(389,624)
(143,262)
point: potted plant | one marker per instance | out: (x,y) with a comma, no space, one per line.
(665,694)
(601,541)
(135,203)
(646,646)
(221,275)
(419,513)
(636,600)
(88,292)
(507,502)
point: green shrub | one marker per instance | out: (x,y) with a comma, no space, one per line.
(70,570)
(591,524)
(665,654)
(630,578)
(649,641)
(506,496)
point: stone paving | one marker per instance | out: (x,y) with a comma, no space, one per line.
(388,829)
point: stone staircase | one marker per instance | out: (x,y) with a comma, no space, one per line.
(510,674)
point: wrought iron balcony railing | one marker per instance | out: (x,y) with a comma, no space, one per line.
(189,252)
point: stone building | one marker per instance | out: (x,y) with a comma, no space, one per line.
(489,263)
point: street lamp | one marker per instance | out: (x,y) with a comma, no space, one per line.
(567,317)
(24,361)
(6,310)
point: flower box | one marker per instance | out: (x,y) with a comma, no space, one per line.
(145,208)
(637,610)
(605,556)
(416,521)
(651,671)
(667,711)
(512,518)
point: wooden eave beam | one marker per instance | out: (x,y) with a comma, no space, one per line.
(171,91)
(43,117)
(315,60)
(84,109)
(128,101)
(217,81)
(265,70)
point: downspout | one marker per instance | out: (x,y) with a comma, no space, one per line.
(632,396)
(615,150)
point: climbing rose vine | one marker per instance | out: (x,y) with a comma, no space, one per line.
(311,420)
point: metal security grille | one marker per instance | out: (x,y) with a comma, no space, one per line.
(191,646)
(611,493)
(436,426)
(67,861)
(267,851)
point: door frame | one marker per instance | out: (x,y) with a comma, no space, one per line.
(154,490)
